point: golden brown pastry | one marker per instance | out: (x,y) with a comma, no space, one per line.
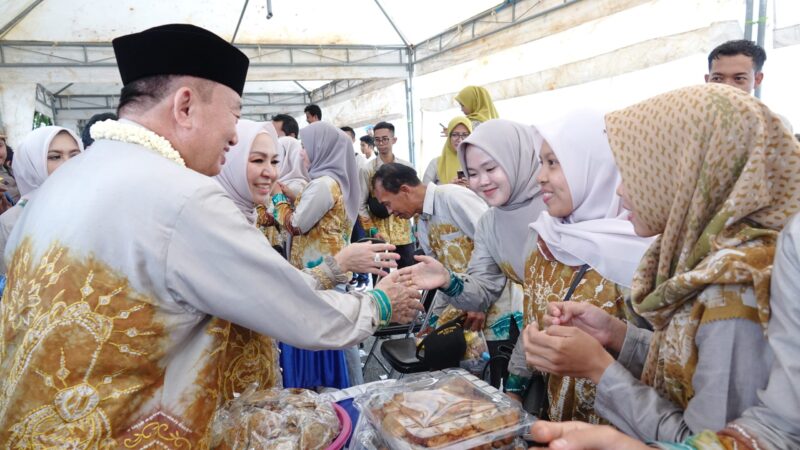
(440,417)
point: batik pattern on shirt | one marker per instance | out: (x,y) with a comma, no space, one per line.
(396,230)
(251,358)
(269,227)
(507,308)
(82,353)
(326,238)
(549,281)
(453,249)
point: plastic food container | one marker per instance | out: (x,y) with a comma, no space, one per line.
(280,419)
(444,410)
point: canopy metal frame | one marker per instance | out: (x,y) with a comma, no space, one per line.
(401,60)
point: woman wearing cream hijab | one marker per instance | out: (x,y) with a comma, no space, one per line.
(713,172)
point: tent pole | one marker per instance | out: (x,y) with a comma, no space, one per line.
(762,30)
(409,85)
(239,23)
(748,20)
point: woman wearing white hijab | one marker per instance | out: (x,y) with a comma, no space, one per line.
(248,176)
(41,152)
(250,170)
(292,179)
(585,240)
(259,141)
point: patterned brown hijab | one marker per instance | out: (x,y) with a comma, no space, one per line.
(716,170)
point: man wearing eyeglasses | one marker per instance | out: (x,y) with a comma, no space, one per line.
(374,217)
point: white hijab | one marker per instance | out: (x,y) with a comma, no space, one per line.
(233,176)
(30,158)
(291,170)
(330,151)
(597,232)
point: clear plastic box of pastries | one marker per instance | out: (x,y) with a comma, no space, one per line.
(445,410)
(279,419)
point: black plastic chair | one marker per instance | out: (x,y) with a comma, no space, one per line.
(385,334)
(401,354)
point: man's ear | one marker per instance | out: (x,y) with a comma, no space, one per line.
(758,79)
(183,106)
(707,77)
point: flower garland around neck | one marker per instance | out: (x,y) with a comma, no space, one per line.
(134,134)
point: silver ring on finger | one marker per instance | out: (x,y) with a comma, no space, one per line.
(376,257)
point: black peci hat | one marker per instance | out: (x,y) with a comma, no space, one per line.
(180,49)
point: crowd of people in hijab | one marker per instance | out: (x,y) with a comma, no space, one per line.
(641,263)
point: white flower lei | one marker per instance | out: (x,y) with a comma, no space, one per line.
(132,134)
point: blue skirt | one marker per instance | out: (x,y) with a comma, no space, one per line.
(309,369)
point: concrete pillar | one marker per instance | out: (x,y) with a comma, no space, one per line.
(17,104)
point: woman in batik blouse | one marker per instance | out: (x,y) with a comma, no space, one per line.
(584,240)
(320,221)
(248,176)
(502,170)
(713,173)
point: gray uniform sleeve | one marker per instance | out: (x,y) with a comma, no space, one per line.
(484,281)
(517,365)
(465,209)
(296,186)
(725,381)
(219,264)
(364,178)
(316,201)
(634,350)
(775,421)
(431,172)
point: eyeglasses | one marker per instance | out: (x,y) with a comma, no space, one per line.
(459,135)
(382,139)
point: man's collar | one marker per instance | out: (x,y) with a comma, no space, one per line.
(427,204)
(394,158)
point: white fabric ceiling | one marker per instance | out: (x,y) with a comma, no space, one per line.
(313,22)
(256,87)
(294,22)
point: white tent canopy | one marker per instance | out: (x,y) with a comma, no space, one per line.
(398,60)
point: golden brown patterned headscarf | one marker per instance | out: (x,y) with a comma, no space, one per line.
(716,170)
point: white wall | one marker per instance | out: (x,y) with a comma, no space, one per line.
(606,63)
(368,107)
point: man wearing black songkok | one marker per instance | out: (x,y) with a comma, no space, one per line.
(122,305)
